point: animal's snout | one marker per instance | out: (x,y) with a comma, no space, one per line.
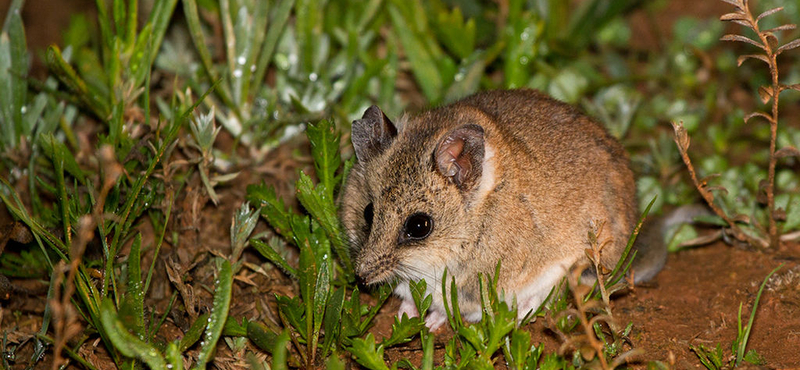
(374,270)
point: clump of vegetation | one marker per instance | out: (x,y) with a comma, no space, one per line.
(714,359)
(752,229)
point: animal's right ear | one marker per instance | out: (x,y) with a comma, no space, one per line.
(372,134)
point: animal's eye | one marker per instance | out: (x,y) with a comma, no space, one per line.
(369,213)
(418,226)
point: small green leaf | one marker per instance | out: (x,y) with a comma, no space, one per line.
(261,336)
(458,36)
(474,336)
(367,355)
(680,234)
(92,100)
(322,207)
(754,358)
(129,345)
(272,208)
(422,300)
(58,152)
(270,254)
(219,313)
(132,306)
(293,311)
(403,330)
(280,352)
(325,142)
(332,321)
(193,334)
(235,329)
(174,358)
(519,348)
(321,294)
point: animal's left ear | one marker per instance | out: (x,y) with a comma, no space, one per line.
(459,156)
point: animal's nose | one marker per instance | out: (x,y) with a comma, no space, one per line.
(363,274)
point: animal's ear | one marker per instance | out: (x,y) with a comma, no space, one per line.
(372,134)
(459,156)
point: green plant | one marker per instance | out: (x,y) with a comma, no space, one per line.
(320,306)
(714,359)
(99,201)
(749,228)
(322,64)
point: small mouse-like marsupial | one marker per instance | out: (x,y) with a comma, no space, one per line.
(507,175)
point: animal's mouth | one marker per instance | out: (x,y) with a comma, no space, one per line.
(375,275)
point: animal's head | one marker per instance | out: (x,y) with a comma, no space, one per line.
(406,204)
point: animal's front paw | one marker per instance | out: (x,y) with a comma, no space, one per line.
(407,307)
(435,320)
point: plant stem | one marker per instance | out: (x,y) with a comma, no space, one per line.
(738,233)
(774,237)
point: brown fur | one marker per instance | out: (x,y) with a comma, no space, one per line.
(553,173)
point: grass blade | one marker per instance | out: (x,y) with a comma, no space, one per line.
(743,340)
(422,62)
(132,307)
(274,32)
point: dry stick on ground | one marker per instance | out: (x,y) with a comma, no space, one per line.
(769,44)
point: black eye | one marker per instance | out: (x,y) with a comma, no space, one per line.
(369,213)
(418,226)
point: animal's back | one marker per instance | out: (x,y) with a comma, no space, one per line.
(572,165)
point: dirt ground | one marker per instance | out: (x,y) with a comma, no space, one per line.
(694,301)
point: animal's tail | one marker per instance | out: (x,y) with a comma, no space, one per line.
(652,251)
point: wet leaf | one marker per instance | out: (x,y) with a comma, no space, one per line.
(325,140)
(193,334)
(219,313)
(277,25)
(423,61)
(321,205)
(292,309)
(128,344)
(132,305)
